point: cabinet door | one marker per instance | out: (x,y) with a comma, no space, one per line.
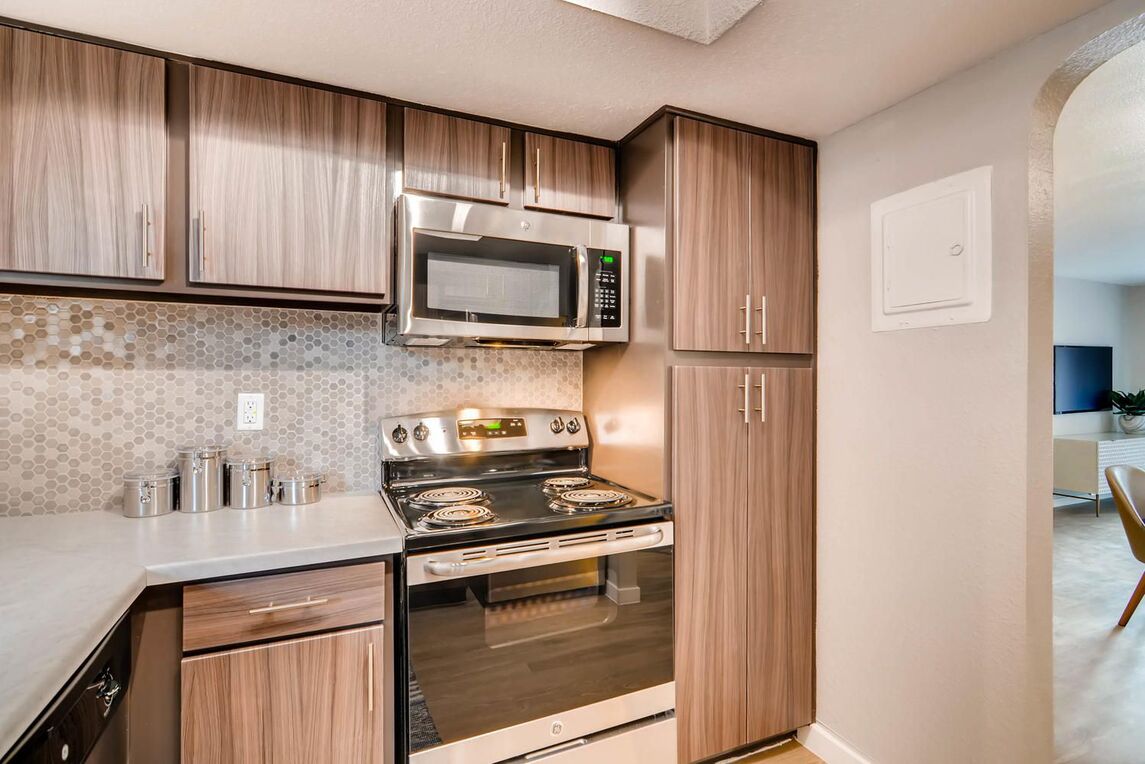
(780,547)
(709,468)
(306,701)
(782,246)
(711,272)
(569,176)
(83,151)
(457,157)
(288,186)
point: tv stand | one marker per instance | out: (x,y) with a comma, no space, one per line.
(1080,462)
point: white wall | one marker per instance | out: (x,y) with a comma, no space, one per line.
(934,600)
(1093,313)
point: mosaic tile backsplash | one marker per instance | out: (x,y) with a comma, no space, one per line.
(90,389)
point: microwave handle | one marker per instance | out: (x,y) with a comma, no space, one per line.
(649,538)
(581,286)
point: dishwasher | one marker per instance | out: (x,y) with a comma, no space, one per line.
(87,720)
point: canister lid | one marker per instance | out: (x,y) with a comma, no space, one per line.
(150,474)
(301,476)
(212,449)
(260,462)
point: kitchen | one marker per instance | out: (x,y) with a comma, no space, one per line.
(441,436)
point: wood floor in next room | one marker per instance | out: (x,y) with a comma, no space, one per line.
(1099,668)
(788,753)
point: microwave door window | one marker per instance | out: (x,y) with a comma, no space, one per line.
(491,280)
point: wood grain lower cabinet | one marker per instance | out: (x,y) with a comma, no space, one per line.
(450,156)
(317,700)
(83,152)
(287,186)
(742,496)
(569,176)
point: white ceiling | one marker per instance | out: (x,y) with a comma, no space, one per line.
(701,20)
(1099,175)
(808,67)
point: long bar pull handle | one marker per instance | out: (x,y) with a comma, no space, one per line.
(145,237)
(762,310)
(504,152)
(762,387)
(746,309)
(273,608)
(537,178)
(746,387)
(202,245)
(370,678)
(581,286)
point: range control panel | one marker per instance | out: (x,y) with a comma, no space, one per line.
(472,429)
(604,301)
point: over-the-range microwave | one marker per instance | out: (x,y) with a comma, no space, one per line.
(482,275)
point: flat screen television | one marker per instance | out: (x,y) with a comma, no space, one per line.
(1083,378)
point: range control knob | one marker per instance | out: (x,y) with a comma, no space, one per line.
(573,426)
(421,432)
(400,434)
(557,425)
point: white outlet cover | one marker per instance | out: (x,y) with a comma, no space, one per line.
(251,409)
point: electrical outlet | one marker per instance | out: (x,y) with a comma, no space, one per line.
(251,411)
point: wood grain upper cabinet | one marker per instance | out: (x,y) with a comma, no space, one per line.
(316,700)
(742,496)
(744,257)
(569,176)
(710,504)
(287,186)
(450,156)
(83,154)
(782,245)
(712,276)
(780,553)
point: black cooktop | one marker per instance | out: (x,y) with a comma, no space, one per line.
(522,510)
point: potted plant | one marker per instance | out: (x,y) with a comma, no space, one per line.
(1131,406)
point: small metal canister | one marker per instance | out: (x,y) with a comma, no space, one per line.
(201,478)
(299,488)
(248,482)
(150,492)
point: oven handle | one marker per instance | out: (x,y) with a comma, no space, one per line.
(482,565)
(582,286)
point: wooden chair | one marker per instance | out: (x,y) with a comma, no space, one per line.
(1128,484)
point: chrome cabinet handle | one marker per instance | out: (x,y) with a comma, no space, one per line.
(746,387)
(582,286)
(762,408)
(202,245)
(370,678)
(746,330)
(762,310)
(504,151)
(273,608)
(145,235)
(537,178)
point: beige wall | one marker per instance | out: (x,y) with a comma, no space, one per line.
(934,623)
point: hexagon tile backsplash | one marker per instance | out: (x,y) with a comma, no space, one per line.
(92,388)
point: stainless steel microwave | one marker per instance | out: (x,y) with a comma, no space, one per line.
(482,275)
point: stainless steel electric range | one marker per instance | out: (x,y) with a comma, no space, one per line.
(538,597)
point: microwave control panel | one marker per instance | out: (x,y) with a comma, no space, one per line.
(605,286)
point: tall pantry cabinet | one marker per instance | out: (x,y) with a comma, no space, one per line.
(711,404)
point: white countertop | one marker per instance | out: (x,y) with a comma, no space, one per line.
(66,579)
(1102,436)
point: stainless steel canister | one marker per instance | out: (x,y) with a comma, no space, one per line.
(201,478)
(248,482)
(150,492)
(299,487)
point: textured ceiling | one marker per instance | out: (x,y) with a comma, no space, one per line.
(808,67)
(1099,175)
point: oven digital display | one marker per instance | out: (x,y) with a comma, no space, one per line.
(472,429)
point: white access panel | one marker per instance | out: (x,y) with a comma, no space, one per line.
(931,254)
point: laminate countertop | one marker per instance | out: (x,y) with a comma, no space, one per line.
(66,579)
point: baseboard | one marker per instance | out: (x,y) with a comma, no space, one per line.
(828,746)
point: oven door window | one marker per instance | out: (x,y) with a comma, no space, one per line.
(487,652)
(494,281)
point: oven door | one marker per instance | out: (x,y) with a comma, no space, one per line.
(522,645)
